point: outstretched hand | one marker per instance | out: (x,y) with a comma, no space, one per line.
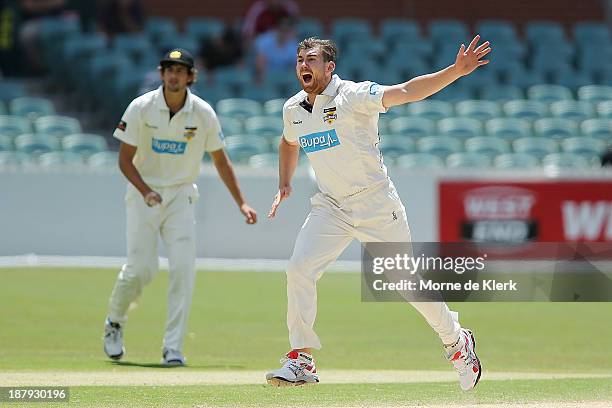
(470,59)
(283,192)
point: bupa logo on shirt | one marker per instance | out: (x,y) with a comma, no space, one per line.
(315,142)
(168,146)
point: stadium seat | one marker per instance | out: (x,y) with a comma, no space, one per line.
(444,31)
(595,93)
(84,143)
(460,127)
(594,58)
(274,107)
(11,90)
(574,110)
(599,128)
(549,93)
(487,145)
(467,160)
(231,126)
(587,146)
(515,161)
(240,147)
(348,28)
(12,158)
(106,159)
(410,126)
(525,109)
(31,107)
(265,126)
(54,159)
(14,125)
(160,27)
(591,32)
(431,109)
(479,79)
(6,143)
(555,128)
(454,93)
(524,78)
(137,46)
(572,79)
(260,93)
(497,31)
(233,76)
(538,32)
(537,146)
(238,108)
(508,128)
(566,161)
(419,161)
(405,67)
(201,28)
(264,160)
(36,143)
(392,146)
(399,30)
(440,146)
(501,93)
(481,110)
(309,27)
(604,109)
(407,51)
(185,41)
(57,125)
(77,50)
(2,108)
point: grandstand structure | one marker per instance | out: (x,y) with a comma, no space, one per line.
(545,100)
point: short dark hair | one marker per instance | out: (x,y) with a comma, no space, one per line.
(328,47)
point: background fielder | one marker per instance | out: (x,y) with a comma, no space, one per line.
(336,123)
(164,134)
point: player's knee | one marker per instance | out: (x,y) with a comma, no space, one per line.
(298,267)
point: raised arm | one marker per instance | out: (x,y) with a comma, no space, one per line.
(423,86)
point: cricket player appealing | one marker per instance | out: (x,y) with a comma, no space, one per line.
(336,123)
(164,135)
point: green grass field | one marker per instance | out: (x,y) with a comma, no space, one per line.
(51,323)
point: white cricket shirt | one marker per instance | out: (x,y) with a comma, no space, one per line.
(340,135)
(169,151)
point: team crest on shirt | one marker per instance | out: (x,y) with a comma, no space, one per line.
(190,132)
(330,115)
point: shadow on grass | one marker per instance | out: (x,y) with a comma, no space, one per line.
(159,365)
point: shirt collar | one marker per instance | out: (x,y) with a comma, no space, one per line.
(332,87)
(161,101)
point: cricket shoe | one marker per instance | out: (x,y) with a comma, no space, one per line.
(172,358)
(465,360)
(113,340)
(298,369)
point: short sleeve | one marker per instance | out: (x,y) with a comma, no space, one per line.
(288,132)
(214,135)
(366,97)
(128,126)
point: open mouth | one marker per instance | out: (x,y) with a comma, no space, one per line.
(307,78)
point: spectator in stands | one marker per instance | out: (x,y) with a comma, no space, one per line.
(275,50)
(32,13)
(264,15)
(222,50)
(120,16)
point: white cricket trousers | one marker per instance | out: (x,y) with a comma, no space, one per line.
(174,221)
(374,215)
